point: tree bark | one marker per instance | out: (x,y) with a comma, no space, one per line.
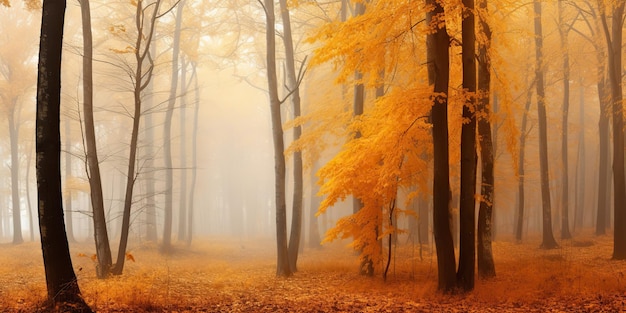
(182,199)
(194,156)
(437,43)
(548,237)
(467,203)
(519,227)
(605,158)
(69,223)
(62,286)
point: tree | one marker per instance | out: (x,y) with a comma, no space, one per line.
(437,42)
(467,219)
(167,129)
(548,241)
(614,50)
(101,236)
(563,32)
(292,83)
(486,266)
(282,264)
(63,289)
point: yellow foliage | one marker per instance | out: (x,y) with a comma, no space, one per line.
(5,3)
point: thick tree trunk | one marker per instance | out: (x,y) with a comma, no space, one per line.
(63,290)
(605,158)
(486,266)
(282,264)
(438,75)
(548,237)
(467,203)
(565,233)
(101,236)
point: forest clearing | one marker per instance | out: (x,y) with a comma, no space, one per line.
(223,275)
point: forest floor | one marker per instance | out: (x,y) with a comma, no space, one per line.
(226,275)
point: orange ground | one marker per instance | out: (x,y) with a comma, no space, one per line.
(219,275)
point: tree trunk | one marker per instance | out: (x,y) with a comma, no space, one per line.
(194,155)
(565,233)
(614,44)
(182,199)
(167,135)
(467,203)
(15,168)
(605,158)
(437,44)
(548,237)
(486,266)
(282,265)
(142,79)
(62,286)
(580,166)
(292,85)
(314,230)
(69,225)
(519,227)
(101,236)
(28,201)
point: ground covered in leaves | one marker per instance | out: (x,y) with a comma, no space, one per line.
(226,275)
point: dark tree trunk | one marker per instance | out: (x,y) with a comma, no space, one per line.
(548,237)
(63,290)
(101,236)
(467,203)
(486,266)
(565,233)
(438,75)
(282,266)
(614,44)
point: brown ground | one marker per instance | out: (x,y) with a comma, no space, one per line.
(222,275)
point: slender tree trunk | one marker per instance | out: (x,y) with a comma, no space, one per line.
(62,286)
(28,201)
(194,155)
(565,233)
(15,168)
(282,265)
(580,168)
(167,135)
(605,158)
(486,266)
(437,44)
(142,79)
(182,199)
(548,237)
(292,83)
(467,203)
(520,185)
(314,231)
(101,236)
(69,225)
(150,212)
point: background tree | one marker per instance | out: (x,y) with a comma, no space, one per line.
(548,237)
